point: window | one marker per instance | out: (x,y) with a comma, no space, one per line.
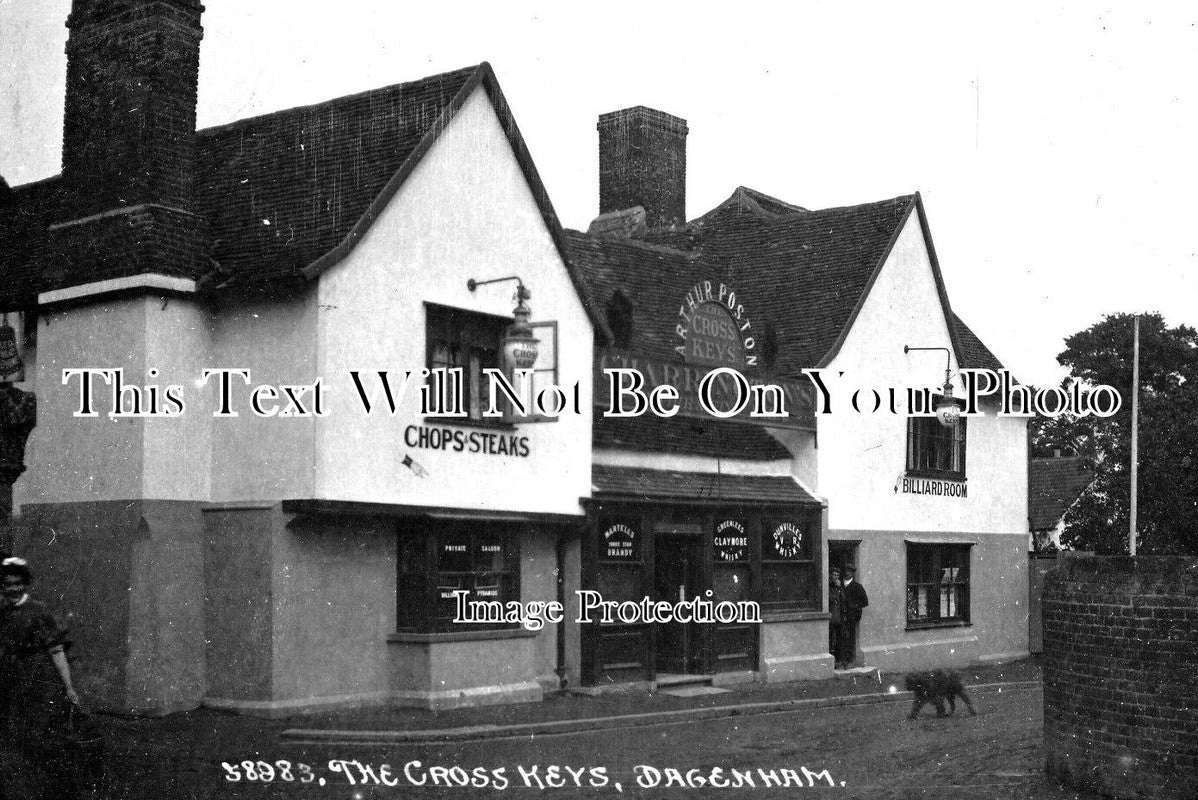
(935,451)
(937,584)
(619,320)
(478,557)
(732,556)
(465,341)
(789,580)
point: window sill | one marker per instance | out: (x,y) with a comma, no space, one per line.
(923,626)
(794,616)
(938,476)
(406,637)
(467,422)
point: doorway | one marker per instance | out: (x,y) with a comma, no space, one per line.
(678,576)
(842,638)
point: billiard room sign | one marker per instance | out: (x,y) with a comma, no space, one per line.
(932,486)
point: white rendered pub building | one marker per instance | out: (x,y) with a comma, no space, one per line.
(294,551)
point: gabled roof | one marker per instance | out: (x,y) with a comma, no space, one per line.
(287,195)
(975,354)
(710,437)
(743,198)
(801,273)
(649,275)
(283,190)
(1054,484)
(809,270)
(24,217)
(804,273)
(633,483)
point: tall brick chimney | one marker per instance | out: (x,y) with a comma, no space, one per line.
(129,139)
(642,162)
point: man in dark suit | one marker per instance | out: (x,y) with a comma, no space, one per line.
(853,599)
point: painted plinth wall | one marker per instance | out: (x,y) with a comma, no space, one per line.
(997,628)
(208,590)
(109,508)
(464,212)
(319,627)
(301,614)
(862,461)
(1121,675)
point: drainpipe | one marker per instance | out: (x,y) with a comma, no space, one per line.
(560,669)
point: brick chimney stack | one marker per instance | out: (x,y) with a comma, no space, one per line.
(129,128)
(129,140)
(642,162)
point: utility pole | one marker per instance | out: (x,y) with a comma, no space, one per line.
(1135,435)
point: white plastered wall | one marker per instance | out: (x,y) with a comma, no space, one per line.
(466,211)
(863,455)
(155,341)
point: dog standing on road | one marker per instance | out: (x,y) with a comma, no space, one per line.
(936,687)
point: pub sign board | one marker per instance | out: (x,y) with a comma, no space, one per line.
(712,330)
(800,394)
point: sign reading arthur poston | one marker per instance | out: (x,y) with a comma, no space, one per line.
(714,328)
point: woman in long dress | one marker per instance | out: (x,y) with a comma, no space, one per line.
(36,693)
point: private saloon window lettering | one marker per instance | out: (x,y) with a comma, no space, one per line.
(479,558)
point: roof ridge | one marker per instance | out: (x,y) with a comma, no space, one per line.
(16,187)
(652,247)
(759,195)
(749,197)
(910,205)
(904,198)
(228,126)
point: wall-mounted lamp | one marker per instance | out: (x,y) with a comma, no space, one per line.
(12,368)
(520,347)
(947,410)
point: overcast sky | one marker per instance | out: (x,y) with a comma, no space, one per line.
(1056,148)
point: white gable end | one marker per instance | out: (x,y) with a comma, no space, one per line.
(466,211)
(862,456)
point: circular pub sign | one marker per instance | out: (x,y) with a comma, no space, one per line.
(714,329)
(788,540)
(730,542)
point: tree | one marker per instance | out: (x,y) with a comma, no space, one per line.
(1167,512)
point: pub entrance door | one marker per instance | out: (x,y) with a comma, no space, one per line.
(678,576)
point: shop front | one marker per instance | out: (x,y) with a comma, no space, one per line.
(692,569)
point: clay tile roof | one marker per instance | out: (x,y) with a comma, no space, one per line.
(24,215)
(801,272)
(652,277)
(278,191)
(285,195)
(976,355)
(281,190)
(805,270)
(688,436)
(650,484)
(1054,484)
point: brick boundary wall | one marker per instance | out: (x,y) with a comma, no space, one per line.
(1121,676)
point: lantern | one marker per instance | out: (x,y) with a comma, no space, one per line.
(12,369)
(948,413)
(520,347)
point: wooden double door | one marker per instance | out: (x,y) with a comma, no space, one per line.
(678,576)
